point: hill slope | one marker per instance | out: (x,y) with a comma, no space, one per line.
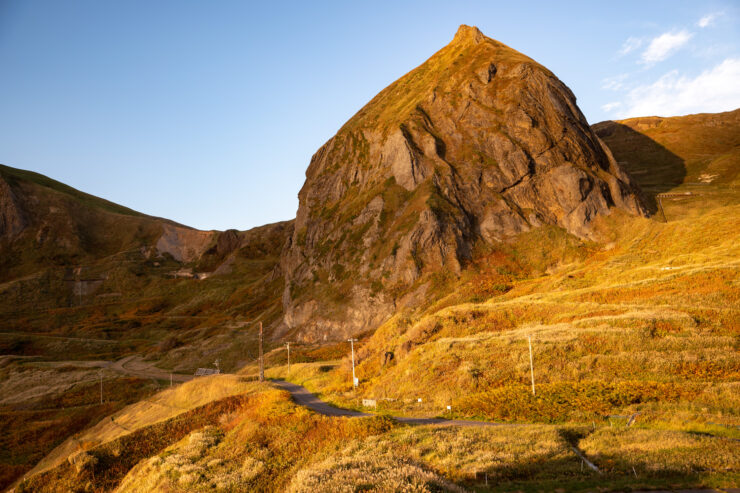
(697,156)
(84,280)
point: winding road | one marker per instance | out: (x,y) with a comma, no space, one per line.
(303,397)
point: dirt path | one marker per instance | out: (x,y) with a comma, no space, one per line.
(137,367)
(44,336)
(305,398)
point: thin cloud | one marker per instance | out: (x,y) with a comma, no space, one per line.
(609,107)
(615,83)
(664,46)
(714,90)
(708,20)
(630,45)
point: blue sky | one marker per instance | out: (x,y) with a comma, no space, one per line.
(208,113)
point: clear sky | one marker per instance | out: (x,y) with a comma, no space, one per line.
(208,112)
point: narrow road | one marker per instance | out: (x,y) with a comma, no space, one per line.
(305,398)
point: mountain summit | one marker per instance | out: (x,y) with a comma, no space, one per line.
(480,142)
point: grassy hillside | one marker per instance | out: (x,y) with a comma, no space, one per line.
(19,175)
(85,281)
(260,441)
(647,323)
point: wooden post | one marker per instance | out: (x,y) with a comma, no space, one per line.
(662,211)
(288,344)
(531,363)
(352,346)
(262,362)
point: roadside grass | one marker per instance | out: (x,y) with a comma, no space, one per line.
(259,440)
(257,448)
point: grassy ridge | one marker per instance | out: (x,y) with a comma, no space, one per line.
(30,430)
(15,175)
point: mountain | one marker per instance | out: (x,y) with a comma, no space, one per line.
(473,147)
(72,264)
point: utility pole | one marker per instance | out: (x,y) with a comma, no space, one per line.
(531,363)
(288,344)
(352,346)
(101,387)
(170,379)
(79,285)
(262,362)
(660,205)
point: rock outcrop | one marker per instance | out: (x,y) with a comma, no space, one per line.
(184,244)
(478,143)
(12,219)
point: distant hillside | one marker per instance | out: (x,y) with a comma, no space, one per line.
(72,264)
(699,154)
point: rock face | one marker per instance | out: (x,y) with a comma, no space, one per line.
(184,244)
(12,219)
(478,143)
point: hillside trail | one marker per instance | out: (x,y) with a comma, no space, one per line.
(137,367)
(307,399)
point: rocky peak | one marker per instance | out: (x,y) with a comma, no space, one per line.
(468,34)
(479,143)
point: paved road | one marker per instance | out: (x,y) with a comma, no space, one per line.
(303,397)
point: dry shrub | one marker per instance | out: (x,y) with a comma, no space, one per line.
(559,402)
(83,461)
(371,472)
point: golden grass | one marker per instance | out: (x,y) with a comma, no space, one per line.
(647,324)
(158,408)
(649,452)
(261,441)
